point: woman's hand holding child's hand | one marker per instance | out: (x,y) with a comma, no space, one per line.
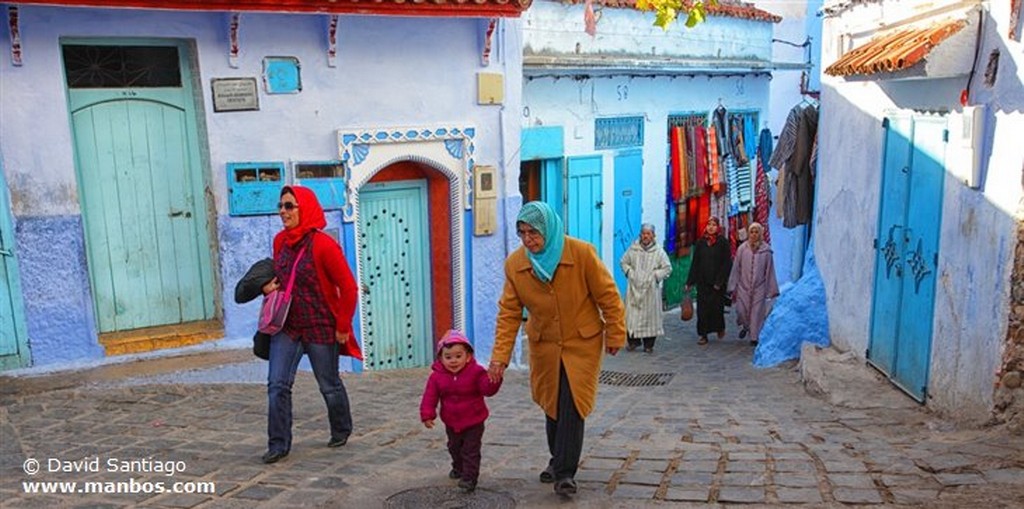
(496,371)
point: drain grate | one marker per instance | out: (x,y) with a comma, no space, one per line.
(635,379)
(449,497)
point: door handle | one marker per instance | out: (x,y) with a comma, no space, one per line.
(179,213)
(6,252)
(599,204)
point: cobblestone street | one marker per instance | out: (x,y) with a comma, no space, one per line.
(719,432)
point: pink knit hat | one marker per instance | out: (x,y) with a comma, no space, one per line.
(451,338)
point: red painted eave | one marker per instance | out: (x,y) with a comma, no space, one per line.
(430,8)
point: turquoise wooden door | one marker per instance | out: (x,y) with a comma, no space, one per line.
(552,184)
(904,301)
(14,351)
(583,210)
(394,261)
(628,200)
(143,207)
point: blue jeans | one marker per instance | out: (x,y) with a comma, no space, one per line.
(285,355)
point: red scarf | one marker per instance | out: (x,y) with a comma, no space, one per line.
(311,215)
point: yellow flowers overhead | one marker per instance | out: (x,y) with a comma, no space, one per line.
(666,11)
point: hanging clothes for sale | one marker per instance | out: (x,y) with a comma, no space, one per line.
(714,161)
(762,193)
(671,231)
(792,157)
(701,158)
(678,161)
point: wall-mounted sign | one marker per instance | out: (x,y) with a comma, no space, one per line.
(235,94)
(281,75)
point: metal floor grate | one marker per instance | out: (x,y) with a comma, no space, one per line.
(635,379)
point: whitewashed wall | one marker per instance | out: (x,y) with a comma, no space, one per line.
(978,232)
(556,29)
(576,104)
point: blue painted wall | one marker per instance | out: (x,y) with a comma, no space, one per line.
(391,72)
(979,226)
(55,284)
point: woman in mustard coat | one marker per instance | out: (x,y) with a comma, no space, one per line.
(574,315)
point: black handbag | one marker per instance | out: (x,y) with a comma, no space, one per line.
(261,346)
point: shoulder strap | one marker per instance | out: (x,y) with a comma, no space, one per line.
(291,276)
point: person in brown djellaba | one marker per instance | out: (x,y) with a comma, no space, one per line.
(574,317)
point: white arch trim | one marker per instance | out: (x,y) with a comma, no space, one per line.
(445,149)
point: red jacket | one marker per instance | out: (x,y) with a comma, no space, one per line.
(461,395)
(337,285)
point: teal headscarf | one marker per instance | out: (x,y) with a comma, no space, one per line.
(543,218)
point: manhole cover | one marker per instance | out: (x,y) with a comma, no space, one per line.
(449,497)
(635,379)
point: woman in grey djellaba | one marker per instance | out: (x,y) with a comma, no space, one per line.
(646,266)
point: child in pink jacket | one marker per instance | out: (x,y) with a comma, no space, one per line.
(460,384)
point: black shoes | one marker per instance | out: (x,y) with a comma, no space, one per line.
(648,350)
(743,332)
(467,486)
(454,474)
(337,442)
(565,487)
(548,475)
(274,456)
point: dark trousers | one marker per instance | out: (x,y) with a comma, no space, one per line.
(285,355)
(565,434)
(648,342)
(465,450)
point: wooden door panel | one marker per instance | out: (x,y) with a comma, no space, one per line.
(890,245)
(628,200)
(394,252)
(920,256)
(584,214)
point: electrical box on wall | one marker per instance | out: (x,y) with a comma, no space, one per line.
(254,188)
(966,135)
(485,200)
(490,88)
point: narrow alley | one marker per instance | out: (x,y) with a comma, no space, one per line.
(705,429)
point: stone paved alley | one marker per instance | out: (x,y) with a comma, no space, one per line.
(718,433)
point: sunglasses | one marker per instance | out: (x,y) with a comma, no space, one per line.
(533,234)
(287,205)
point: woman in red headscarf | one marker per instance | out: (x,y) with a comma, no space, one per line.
(709,272)
(319,322)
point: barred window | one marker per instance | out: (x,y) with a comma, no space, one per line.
(90,66)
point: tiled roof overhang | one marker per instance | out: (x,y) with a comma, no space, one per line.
(896,51)
(438,8)
(724,9)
